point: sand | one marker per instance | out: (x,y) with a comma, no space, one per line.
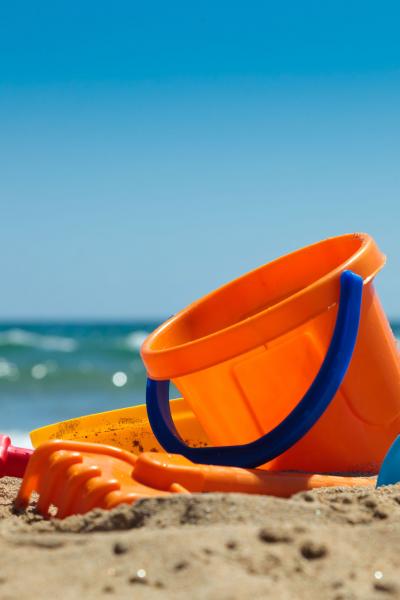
(329,544)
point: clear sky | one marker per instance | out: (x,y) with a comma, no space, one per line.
(151,151)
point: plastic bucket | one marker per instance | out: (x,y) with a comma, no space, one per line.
(244,355)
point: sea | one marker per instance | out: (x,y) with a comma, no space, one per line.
(50,372)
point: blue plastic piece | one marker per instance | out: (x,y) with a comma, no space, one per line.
(297,423)
(390,469)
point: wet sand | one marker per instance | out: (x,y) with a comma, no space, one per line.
(335,543)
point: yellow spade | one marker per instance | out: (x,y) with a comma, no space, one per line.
(126,428)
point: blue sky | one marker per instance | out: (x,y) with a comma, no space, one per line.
(150,152)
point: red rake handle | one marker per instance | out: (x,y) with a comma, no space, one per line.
(13,460)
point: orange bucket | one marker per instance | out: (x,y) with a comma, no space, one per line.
(244,355)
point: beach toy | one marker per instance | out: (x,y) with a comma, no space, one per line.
(76,477)
(13,460)
(245,354)
(126,428)
(302,417)
(164,470)
(389,473)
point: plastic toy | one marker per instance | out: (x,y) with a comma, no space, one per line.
(126,428)
(389,473)
(245,354)
(300,419)
(76,477)
(163,470)
(13,460)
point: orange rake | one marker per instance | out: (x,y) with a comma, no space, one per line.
(76,477)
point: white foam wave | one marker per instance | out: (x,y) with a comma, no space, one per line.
(135,339)
(8,370)
(20,337)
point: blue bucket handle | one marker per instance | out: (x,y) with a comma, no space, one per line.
(307,412)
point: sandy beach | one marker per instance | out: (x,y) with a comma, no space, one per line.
(336,543)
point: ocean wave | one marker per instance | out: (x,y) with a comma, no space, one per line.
(51,375)
(29,339)
(134,340)
(8,369)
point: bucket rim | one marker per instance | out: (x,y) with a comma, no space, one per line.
(205,351)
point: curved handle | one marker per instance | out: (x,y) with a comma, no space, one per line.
(307,412)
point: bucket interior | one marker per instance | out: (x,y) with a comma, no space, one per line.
(257,291)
